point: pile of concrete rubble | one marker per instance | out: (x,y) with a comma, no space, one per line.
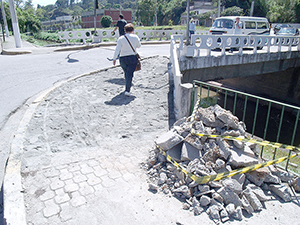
(208,156)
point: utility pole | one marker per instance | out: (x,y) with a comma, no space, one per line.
(95,15)
(187,23)
(155,12)
(219,8)
(252,8)
(4,19)
(15,24)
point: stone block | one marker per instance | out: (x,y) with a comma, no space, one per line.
(240,158)
(223,148)
(229,196)
(240,178)
(238,214)
(252,199)
(207,116)
(226,117)
(233,185)
(230,208)
(282,191)
(296,184)
(259,193)
(246,205)
(175,152)
(169,140)
(189,152)
(258,176)
(204,200)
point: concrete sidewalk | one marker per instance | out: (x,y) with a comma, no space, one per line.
(78,154)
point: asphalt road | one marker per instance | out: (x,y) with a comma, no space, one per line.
(23,76)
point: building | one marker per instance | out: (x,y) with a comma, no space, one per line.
(88,17)
(58,20)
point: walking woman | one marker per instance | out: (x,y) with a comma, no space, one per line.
(128,59)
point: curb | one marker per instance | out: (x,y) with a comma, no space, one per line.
(72,48)
(14,205)
(15,52)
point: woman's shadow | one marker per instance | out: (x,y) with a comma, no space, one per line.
(120,99)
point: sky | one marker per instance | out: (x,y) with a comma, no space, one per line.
(43,2)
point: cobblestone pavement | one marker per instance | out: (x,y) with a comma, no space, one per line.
(85,145)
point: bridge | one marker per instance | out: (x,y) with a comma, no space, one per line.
(207,59)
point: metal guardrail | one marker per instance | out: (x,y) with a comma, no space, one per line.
(261,114)
(240,42)
(101,34)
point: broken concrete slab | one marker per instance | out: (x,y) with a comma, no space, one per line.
(189,152)
(169,140)
(282,191)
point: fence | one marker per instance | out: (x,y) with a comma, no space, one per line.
(240,42)
(267,119)
(101,35)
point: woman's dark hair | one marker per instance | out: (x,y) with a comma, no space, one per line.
(129,27)
(121,16)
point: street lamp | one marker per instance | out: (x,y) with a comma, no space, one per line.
(4,19)
(187,23)
(15,24)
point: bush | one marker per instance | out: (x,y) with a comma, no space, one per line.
(106,21)
(53,37)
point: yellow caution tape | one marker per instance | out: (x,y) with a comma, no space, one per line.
(249,140)
(219,176)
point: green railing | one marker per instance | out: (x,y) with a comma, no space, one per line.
(264,118)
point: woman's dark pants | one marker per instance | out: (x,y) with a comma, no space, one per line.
(128,64)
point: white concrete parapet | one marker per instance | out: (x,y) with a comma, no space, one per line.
(146,35)
(182,92)
(207,43)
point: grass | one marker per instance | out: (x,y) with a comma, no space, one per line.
(294,163)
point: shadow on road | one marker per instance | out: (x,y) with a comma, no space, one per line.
(2,220)
(118,81)
(120,99)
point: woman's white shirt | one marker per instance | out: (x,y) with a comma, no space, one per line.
(123,47)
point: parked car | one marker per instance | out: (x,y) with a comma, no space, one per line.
(279,26)
(288,31)
(250,25)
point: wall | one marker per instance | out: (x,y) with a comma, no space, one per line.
(283,86)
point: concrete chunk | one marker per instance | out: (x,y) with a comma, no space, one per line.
(247,206)
(169,140)
(296,184)
(189,152)
(175,152)
(233,185)
(226,117)
(282,191)
(259,193)
(239,158)
(229,196)
(204,200)
(258,176)
(253,200)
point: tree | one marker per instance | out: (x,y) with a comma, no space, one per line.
(28,21)
(62,3)
(282,11)
(145,12)
(106,21)
(233,11)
